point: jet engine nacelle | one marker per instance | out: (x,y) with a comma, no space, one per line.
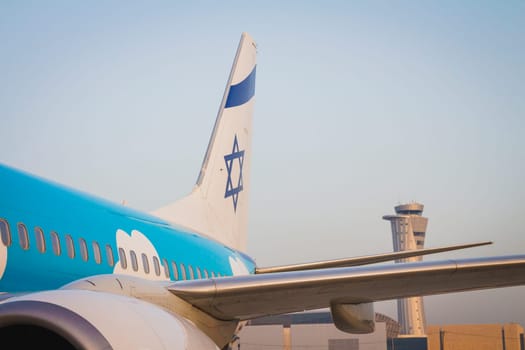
(83,319)
(354,318)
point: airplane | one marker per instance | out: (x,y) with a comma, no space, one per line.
(81,272)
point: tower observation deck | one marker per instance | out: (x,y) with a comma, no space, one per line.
(408,233)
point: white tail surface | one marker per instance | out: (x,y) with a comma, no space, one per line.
(218,204)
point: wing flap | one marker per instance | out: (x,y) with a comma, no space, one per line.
(246,297)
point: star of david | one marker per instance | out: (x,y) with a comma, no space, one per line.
(230,160)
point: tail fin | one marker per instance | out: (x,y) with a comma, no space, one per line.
(218,204)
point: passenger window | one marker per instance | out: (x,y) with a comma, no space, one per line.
(199,276)
(182,271)
(122,257)
(109,255)
(166,268)
(96,253)
(55,242)
(175,271)
(145,263)
(23,236)
(83,249)
(156,265)
(134,263)
(70,246)
(190,269)
(4,231)
(40,242)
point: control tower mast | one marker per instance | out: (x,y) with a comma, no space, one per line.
(408,233)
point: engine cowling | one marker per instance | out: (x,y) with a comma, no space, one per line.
(354,318)
(83,319)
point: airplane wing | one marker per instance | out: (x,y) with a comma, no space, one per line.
(365,260)
(246,297)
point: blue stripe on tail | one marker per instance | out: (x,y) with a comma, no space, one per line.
(241,93)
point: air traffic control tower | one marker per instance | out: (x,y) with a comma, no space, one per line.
(408,233)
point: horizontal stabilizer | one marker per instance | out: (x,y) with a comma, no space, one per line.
(365,260)
(246,297)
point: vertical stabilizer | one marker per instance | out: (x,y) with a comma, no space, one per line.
(218,204)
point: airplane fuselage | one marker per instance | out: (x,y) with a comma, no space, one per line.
(52,235)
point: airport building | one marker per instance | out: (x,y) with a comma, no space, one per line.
(311,330)
(315,330)
(408,233)
(476,337)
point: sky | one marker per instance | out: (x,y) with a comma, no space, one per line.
(360,106)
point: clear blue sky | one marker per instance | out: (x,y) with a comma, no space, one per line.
(361,105)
